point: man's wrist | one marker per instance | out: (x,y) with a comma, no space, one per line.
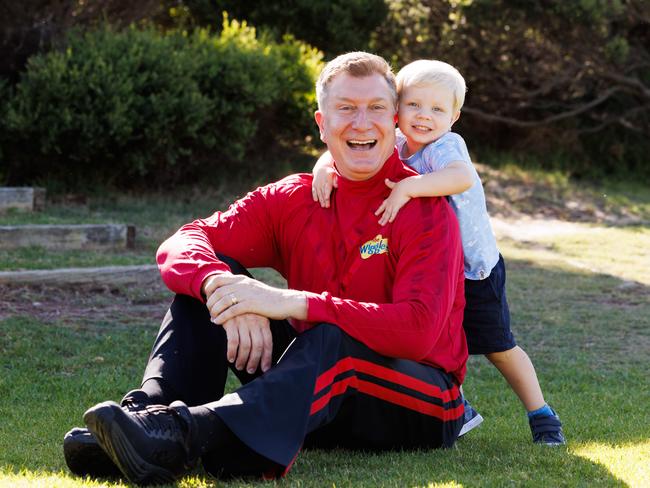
(204,283)
(296,304)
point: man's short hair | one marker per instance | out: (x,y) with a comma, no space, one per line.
(359,65)
(431,72)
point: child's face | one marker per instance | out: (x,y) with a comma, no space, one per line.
(426,113)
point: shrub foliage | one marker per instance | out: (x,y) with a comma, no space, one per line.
(565,83)
(333,26)
(137,105)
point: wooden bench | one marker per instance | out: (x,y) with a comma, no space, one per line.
(67,237)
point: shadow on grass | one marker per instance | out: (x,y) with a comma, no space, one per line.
(586,334)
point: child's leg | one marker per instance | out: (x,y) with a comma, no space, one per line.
(518,370)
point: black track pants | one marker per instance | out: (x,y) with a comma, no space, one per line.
(327,390)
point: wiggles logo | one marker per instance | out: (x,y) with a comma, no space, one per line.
(378,245)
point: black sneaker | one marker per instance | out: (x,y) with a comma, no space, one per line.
(82,453)
(547,429)
(84,457)
(150,446)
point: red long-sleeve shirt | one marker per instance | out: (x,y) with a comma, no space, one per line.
(397,288)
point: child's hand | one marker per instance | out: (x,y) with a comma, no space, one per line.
(325,179)
(396,200)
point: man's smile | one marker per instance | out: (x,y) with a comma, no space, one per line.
(361,145)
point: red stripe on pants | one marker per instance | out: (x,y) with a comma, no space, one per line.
(383,393)
(363,366)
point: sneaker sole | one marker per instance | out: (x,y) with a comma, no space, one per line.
(472,424)
(550,444)
(85,457)
(100,420)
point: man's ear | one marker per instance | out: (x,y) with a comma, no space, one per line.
(320,121)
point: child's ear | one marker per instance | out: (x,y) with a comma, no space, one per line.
(456,117)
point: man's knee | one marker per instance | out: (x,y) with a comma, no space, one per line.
(235,266)
(189,318)
(187,304)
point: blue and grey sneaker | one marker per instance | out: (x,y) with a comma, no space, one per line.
(547,429)
(471,420)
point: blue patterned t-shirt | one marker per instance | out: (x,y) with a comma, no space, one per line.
(479,245)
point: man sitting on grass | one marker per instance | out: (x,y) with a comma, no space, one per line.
(364,350)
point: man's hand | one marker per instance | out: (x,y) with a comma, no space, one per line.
(231,295)
(250,343)
(243,306)
(396,200)
(325,179)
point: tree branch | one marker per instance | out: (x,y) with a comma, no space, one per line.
(634,83)
(621,119)
(549,120)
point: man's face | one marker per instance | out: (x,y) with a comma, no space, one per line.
(358,124)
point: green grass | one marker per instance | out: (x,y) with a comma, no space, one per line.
(36,257)
(589,355)
(623,251)
(580,308)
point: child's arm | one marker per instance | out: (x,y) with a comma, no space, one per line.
(324,179)
(454,178)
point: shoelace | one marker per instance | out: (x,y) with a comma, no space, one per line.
(131,405)
(161,422)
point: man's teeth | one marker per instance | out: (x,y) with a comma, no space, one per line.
(362,143)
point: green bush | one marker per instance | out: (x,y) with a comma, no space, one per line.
(263,91)
(291,116)
(136,106)
(110,106)
(333,26)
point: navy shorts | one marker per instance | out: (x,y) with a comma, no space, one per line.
(487,317)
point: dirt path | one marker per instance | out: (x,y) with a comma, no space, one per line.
(531,229)
(77,304)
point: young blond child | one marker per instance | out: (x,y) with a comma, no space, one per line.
(431,94)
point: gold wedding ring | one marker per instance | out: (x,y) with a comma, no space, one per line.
(233,299)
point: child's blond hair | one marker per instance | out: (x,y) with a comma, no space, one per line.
(433,72)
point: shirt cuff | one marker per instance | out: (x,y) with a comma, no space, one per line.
(317,307)
(200,277)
